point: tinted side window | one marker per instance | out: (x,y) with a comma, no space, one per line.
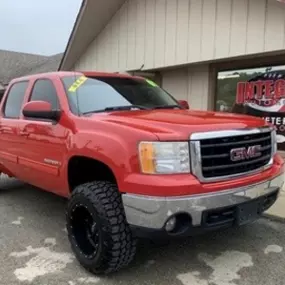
(15,100)
(44,90)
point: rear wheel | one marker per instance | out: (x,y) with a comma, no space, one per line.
(7,182)
(97,228)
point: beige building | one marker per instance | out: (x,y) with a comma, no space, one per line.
(182,44)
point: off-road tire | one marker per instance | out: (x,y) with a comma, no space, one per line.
(117,246)
(8,183)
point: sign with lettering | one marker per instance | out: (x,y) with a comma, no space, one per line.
(264,96)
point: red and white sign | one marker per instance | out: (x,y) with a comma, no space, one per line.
(264,96)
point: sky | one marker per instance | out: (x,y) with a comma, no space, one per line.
(37,26)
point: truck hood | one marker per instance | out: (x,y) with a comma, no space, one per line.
(179,124)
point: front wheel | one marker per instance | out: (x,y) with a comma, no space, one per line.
(97,228)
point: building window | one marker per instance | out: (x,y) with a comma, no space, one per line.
(258,92)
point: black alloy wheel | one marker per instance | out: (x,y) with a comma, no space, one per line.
(100,236)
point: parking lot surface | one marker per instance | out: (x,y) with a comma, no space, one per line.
(35,250)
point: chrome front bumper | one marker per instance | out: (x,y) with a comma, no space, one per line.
(153,212)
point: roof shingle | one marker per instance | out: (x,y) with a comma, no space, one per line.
(15,64)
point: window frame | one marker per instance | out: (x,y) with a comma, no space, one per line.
(77,111)
(7,97)
(33,87)
(29,97)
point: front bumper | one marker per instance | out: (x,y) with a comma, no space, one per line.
(153,212)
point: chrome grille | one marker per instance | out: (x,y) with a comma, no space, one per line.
(211,153)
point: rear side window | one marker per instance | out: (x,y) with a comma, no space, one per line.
(44,90)
(15,100)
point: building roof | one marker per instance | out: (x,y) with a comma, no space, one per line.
(16,64)
(92,18)
(51,64)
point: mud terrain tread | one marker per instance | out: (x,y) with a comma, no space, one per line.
(120,246)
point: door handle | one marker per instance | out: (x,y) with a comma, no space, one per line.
(24,134)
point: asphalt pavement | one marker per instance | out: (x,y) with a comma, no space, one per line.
(35,250)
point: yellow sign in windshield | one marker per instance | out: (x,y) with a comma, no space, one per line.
(150,82)
(77,83)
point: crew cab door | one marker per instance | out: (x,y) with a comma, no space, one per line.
(9,123)
(43,142)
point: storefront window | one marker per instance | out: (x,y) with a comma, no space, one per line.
(257,92)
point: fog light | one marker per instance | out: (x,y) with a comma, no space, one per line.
(170,224)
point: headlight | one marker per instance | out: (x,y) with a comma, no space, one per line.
(164,157)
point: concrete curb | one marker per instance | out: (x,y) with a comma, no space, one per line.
(273,218)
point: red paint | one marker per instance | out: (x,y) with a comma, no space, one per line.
(259,85)
(248,91)
(8,157)
(37,166)
(179,185)
(111,138)
(268,89)
(240,93)
(37,105)
(280,88)
(184,104)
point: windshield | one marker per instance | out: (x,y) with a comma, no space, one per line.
(90,94)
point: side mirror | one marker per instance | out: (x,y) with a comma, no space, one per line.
(40,110)
(184,104)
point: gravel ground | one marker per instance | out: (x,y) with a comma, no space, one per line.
(35,250)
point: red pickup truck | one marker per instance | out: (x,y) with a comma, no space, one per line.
(133,162)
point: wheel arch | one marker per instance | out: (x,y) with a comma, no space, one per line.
(82,169)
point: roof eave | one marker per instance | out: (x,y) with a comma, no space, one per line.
(73,33)
(92,18)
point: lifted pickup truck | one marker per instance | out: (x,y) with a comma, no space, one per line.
(133,162)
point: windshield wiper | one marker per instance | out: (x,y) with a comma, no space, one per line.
(117,108)
(167,107)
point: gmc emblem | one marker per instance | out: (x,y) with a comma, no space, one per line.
(244,153)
